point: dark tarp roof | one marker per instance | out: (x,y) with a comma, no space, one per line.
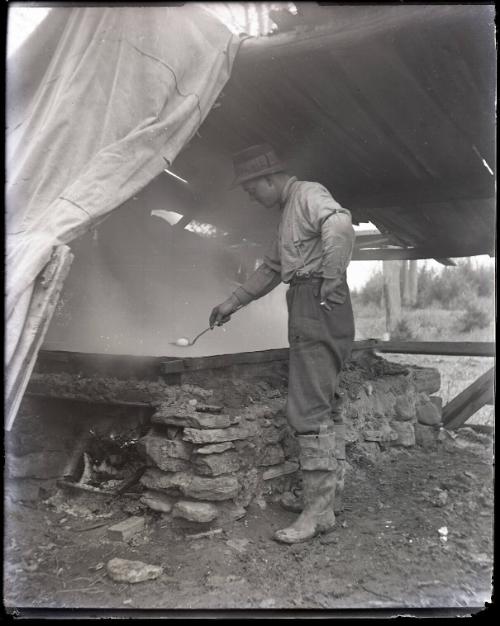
(390,107)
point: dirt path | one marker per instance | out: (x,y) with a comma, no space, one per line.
(385,552)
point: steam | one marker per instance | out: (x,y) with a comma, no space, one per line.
(145,283)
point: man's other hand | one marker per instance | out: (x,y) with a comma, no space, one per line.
(332,292)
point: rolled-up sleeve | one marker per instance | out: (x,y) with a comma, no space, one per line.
(334,223)
(265,278)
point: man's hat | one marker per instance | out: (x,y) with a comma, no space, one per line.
(254,162)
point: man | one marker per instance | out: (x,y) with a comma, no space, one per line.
(311,252)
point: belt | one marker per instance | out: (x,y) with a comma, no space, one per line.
(305,277)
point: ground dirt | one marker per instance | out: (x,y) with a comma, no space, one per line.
(386,550)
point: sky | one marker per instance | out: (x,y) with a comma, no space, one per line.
(23,20)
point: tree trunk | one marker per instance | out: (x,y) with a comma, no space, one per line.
(413,282)
(392,294)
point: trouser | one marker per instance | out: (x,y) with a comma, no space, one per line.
(320,343)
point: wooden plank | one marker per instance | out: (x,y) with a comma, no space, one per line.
(43,303)
(242,358)
(68,398)
(444,348)
(463,406)
(73,362)
(177,366)
(223,360)
(121,366)
(85,488)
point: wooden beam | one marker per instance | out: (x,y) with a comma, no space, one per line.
(430,194)
(47,395)
(463,406)
(395,254)
(46,292)
(444,348)
(125,366)
(347,33)
(372,240)
(223,360)
(175,366)
(444,261)
(121,366)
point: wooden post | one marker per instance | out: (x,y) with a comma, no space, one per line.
(413,282)
(406,296)
(392,294)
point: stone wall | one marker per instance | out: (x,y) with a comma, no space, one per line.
(389,405)
(207,461)
(212,445)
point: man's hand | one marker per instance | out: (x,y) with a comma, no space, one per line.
(331,293)
(222,312)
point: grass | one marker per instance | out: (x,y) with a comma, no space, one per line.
(436,324)
(430,324)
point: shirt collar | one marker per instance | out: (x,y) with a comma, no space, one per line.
(286,190)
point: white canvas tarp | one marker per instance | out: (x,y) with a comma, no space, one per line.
(98,101)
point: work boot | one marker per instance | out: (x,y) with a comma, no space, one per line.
(319,477)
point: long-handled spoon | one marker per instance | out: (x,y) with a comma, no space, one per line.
(184,342)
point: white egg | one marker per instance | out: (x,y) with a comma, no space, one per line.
(182,341)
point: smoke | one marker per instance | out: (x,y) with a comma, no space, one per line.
(140,283)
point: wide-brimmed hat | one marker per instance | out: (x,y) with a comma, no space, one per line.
(255,161)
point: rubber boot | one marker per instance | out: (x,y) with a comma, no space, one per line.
(319,477)
(294,500)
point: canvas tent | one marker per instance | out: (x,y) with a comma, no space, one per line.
(99,100)
(392,108)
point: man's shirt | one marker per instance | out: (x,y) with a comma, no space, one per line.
(315,236)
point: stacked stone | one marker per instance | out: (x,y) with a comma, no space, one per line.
(207,464)
(429,419)
(395,410)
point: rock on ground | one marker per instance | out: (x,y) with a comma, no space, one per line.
(125,571)
(197,487)
(157,501)
(202,512)
(406,433)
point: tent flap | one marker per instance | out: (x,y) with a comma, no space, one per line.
(123,90)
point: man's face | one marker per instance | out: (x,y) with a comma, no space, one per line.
(263,190)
